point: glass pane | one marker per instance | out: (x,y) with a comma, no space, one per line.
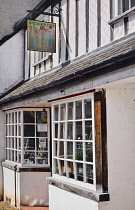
(56,131)
(29,157)
(79,171)
(41,117)
(19,141)
(62,130)
(12,117)
(132,3)
(70,169)
(10,139)
(79,151)
(15,117)
(88,130)
(70,130)
(12,155)
(19,156)
(79,130)
(55,148)
(125,5)
(16,143)
(63,170)
(89,152)
(28,116)
(78,105)
(6,142)
(41,131)
(61,149)
(29,144)
(70,111)
(9,157)
(6,118)
(62,111)
(42,158)
(15,130)
(12,130)
(42,144)
(56,169)
(89,174)
(29,130)
(10,126)
(56,113)
(7,130)
(7,154)
(15,158)
(88,111)
(12,143)
(19,130)
(19,117)
(70,150)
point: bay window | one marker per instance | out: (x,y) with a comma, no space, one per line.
(74,140)
(27,137)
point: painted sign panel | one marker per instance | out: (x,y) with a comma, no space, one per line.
(41,36)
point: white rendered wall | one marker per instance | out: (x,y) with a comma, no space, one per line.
(1,151)
(34,188)
(62,200)
(121,149)
(11,61)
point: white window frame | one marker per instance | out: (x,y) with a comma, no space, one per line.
(119,7)
(22,137)
(60,177)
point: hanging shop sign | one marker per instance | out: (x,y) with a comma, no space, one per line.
(41,36)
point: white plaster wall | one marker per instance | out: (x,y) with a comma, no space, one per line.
(105,17)
(131,23)
(62,200)
(11,61)
(119,30)
(1,152)
(34,188)
(121,149)
(9,185)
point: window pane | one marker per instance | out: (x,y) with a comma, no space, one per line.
(62,111)
(29,157)
(63,171)
(15,117)
(79,151)
(12,143)
(56,113)
(70,130)
(12,130)
(42,144)
(70,170)
(41,117)
(29,130)
(62,130)
(19,156)
(88,112)
(16,146)
(55,148)
(12,155)
(12,117)
(56,131)
(56,169)
(19,130)
(19,117)
(79,171)
(79,130)
(19,141)
(61,149)
(69,150)
(125,5)
(40,131)
(88,130)
(42,158)
(6,118)
(29,144)
(78,105)
(89,152)
(89,174)
(28,116)
(132,3)
(70,111)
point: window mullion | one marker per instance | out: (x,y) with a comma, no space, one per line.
(22,143)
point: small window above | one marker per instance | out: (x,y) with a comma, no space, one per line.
(124,5)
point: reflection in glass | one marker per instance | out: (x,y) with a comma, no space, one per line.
(88,111)
(29,157)
(29,117)
(61,149)
(89,152)
(40,133)
(79,151)
(29,144)
(56,167)
(42,158)
(55,148)
(70,170)
(41,117)
(62,130)
(63,172)
(89,174)
(79,130)
(42,144)
(56,131)
(29,130)
(62,111)
(70,111)
(56,113)
(70,130)
(78,105)
(88,130)
(79,171)
(69,150)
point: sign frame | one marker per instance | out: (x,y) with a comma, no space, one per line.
(28,37)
